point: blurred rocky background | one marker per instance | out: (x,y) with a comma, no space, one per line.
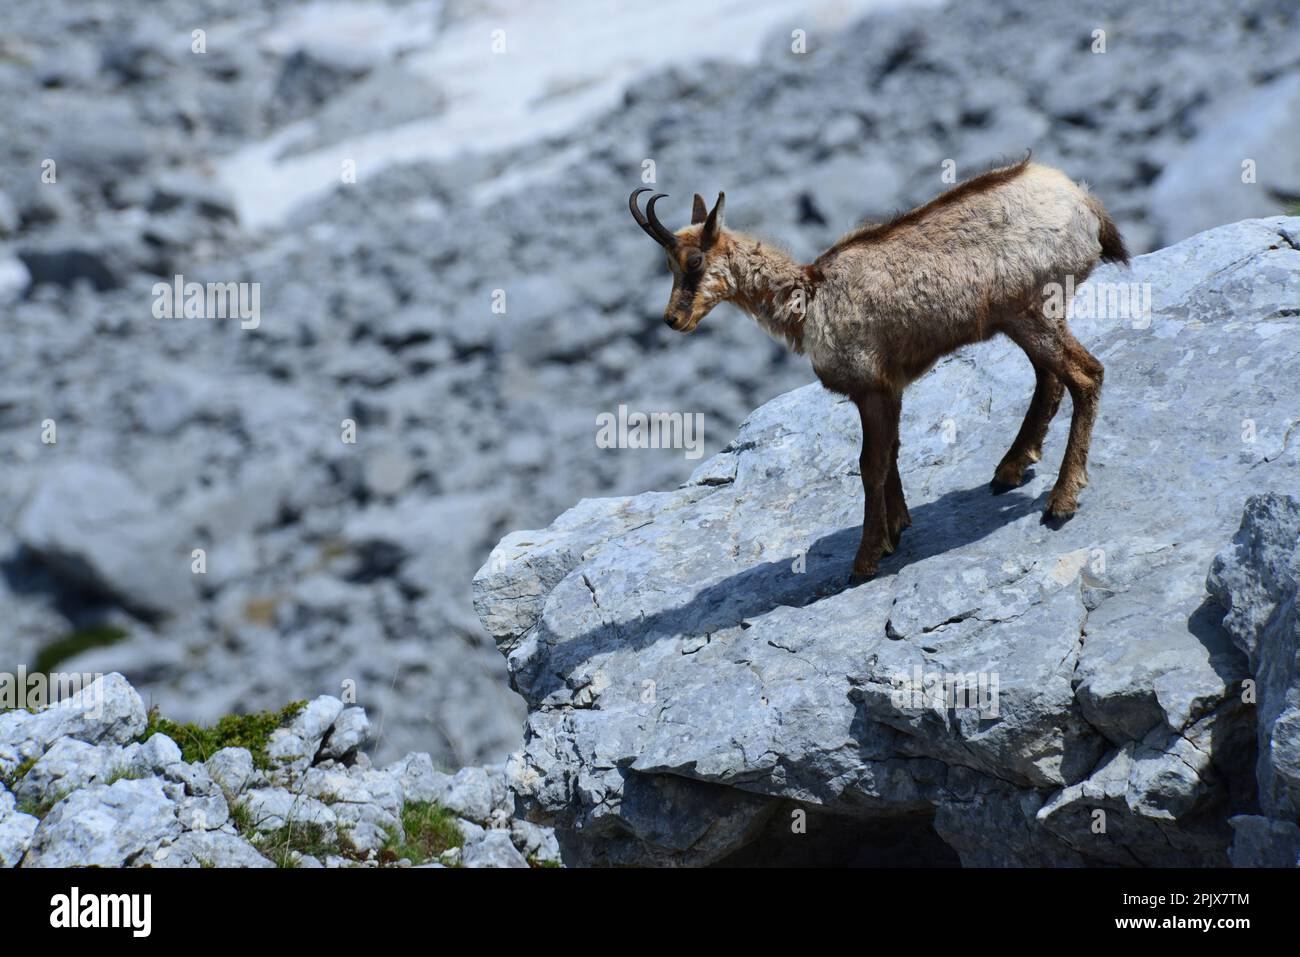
(492,146)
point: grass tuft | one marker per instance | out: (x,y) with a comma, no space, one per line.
(286,844)
(10,780)
(125,774)
(39,809)
(430,830)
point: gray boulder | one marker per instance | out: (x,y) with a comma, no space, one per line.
(105,826)
(97,529)
(471,794)
(420,780)
(1259,841)
(16,830)
(158,753)
(292,749)
(270,809)
(105,711)
(350,731)
(699,672)
(366,804)
(1255,579)
(209,849)
(70,764)
(494,849)
(231,769)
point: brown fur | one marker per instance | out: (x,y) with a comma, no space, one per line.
(883,304)
(962,192)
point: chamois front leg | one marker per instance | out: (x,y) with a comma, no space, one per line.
(878,411)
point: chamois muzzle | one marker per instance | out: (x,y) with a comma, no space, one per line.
(653,228)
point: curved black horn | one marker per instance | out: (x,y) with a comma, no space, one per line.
(655,231)
(661,232)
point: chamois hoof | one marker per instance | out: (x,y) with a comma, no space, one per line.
(1061,506)
(1002,483)
(1055,520)
(863,572)
(1000,487)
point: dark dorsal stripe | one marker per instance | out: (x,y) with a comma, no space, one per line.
(878,232)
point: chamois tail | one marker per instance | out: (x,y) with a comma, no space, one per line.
(1113,249)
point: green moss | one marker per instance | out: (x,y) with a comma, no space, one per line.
(74,643)
(251,731)
(534,862)
(430,830)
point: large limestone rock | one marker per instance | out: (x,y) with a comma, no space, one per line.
(1255,578)
(698,672)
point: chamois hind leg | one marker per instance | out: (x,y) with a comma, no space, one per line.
(895,503)
(879,412)
(1028,446)
(1050,344)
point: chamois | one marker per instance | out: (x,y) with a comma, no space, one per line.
(881,306)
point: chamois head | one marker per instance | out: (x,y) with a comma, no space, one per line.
(700,276)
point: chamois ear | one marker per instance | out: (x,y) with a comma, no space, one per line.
(699,211)
(713,224)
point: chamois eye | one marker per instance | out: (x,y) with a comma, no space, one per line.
(694,262)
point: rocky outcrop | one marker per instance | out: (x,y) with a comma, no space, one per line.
(1255,579)
(86,783)
(329,562)
(704,686)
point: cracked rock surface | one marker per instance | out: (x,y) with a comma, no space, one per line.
(698,672)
